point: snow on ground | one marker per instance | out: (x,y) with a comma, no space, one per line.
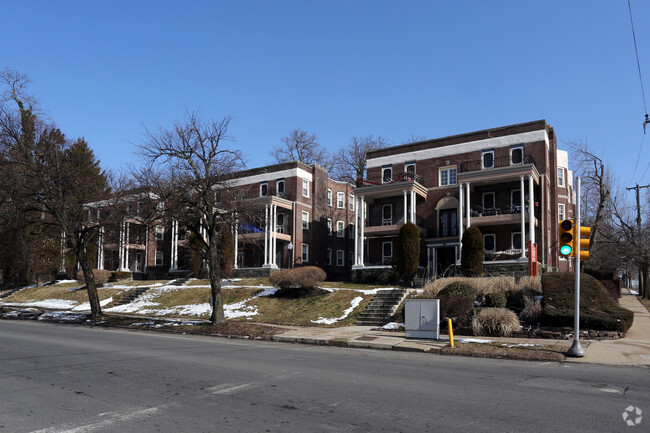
(393,326)
(355,303)
(86,305)
(64,316)
(633,292)
(65,281)
(363,291)
(52,304)
(473,340)
(520,345)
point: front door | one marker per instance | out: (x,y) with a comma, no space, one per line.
(445,259)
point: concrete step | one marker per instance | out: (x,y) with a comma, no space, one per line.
(381,307)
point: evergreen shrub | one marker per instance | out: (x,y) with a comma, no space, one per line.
(473,253)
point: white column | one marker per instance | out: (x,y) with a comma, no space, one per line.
(405,208)
(100,249)
(460,212)
(236,240)
(274,209)
(523,218)
(266,235)
(467,207)
(413,203)
(357,204)
(363,229)
(531,209)
(120,250)
(174,246)
(126,246)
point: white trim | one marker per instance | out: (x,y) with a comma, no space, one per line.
(461,148)
(270,176)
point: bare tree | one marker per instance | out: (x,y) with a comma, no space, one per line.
(351,161)
(52,179)
(414,138)
(301,146)
(190,169)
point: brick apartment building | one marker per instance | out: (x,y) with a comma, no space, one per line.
(442,185)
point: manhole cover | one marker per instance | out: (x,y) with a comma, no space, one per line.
(365,338)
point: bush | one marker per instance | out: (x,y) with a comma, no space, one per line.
(299,281)
(531,310)
(495,322)
(472,253)
(459,307)
(597,310)
(101,276)
(459,289)
(120,276)
(408,251)
(495,300)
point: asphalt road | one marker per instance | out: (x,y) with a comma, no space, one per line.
(66,378)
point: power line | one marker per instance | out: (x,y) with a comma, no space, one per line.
(638,64)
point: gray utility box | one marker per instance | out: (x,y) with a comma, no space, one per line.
(422,318)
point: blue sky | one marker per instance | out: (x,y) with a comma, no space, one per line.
(104,70)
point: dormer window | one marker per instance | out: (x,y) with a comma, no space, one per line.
(409,167)
(387,174)
(264,189)
(280,187)
(487,159)
(516,155)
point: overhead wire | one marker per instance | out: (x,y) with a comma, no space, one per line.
(645,106)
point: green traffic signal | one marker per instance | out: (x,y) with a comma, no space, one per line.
(565,250)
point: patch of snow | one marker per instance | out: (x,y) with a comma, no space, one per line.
(53,304)
(181,310)
(393,326)
(61,315)
(239,309)
(520,345)
(65,281)
(633,292)
(86,305)
(355,303)
(473,340)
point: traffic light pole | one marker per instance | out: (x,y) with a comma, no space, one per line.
(576,349)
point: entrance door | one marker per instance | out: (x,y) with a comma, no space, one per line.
(445,259)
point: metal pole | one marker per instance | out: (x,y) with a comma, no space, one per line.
(576,349)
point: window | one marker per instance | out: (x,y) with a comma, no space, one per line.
(329,226)
(329,257)
(351,202)
(160,233)
(329,197)
(305,188)
(264,189)
(387,215)
(340,229)
(159,258)
(516,240)
(340,258)
(305,253)
(487,159)
(98,214)
(305,220)
(280,223)
(490,242)
(515,199)
(351,231)
(560,177)
(561,211)
(350,258)
(340,200)
(488,200)
(138,262)
(516,155)
(448,223)
(387,252)
(280,188)
(447,175)
(409,168)
(387,174)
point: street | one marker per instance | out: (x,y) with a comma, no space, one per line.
(67,378)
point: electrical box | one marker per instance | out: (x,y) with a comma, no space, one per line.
(422,317)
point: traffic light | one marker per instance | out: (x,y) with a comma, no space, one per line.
(583,248)
(567,239)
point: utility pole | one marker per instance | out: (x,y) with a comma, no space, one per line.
(642,283)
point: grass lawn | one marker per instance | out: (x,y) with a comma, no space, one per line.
(59,291)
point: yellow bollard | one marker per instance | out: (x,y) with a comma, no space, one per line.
(451,333)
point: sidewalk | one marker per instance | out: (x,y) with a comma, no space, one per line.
(634,349)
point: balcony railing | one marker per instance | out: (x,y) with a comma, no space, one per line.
(397,177)
(504,161)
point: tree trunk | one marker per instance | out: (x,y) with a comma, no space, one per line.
(91,287)
(214,273)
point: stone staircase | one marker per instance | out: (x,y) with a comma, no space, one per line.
(380,308)
(132,296)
